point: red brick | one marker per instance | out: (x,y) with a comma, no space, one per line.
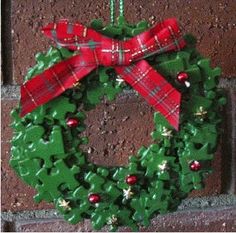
(218,220)
(214,26)
(118,130)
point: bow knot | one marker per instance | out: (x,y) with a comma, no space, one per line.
(115,52)
(127,58)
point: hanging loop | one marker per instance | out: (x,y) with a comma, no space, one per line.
(121,8)
(112,10)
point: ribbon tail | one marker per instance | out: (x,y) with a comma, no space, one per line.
(53,82)
(154,88)
(71,35)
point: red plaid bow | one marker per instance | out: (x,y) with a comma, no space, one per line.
(127,57)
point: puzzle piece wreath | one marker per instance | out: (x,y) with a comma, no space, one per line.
(46,151)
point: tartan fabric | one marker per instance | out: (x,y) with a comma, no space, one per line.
(154,88)
(94,49)
(54,81)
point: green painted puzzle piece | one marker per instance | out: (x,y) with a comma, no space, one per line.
(45,149)
(55,176)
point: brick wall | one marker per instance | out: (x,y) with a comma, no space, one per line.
(214,24)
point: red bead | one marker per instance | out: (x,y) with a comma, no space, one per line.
(131,179)
(72,122)
(182,77)
(94,198)
(195,166)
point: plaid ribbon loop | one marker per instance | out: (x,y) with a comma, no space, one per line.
(127,58)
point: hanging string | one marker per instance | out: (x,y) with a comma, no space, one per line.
(121,7)
(112,11)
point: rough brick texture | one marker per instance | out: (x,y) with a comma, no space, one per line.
(212,22)
(223,219)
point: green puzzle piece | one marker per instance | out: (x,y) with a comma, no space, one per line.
(144,208)
(44,149)
(26,168)
(210,74)
(109,211)
(156,162)
(52,178)
(95,182)
(81,205)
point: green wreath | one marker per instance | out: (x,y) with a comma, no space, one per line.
(46,151)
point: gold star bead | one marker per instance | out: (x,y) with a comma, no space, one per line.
(112,220)
(77,85)
(201,112)
(65,204)
(136,93)
(119,80)
(127,193)
(163,166)
(76,52)
(167,132)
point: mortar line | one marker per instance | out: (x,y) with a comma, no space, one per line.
(233,146)
(191,204)
(6,42)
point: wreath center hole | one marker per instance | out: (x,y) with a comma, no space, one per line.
(117,130)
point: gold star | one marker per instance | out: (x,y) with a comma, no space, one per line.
(119,80)
(77,85)
(167,132)
(127,193)
(65,204)
(136,93)
(163,166)
(76,52)
(201,112)
(112,220)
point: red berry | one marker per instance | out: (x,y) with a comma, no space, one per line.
(131,179)
(94,198)
(182,77)
(72,122)
(195,166)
